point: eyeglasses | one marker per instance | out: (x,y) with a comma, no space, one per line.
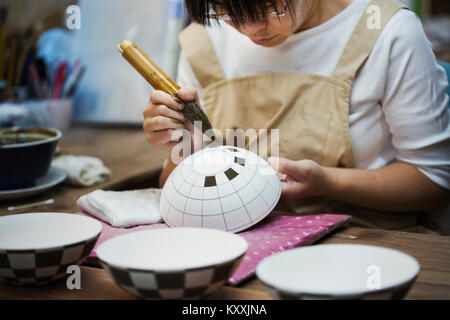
(269,14)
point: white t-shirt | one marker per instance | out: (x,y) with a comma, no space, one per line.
(398,105)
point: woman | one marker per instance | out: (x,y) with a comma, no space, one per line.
(352,86)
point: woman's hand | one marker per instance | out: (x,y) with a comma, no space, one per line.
(164,119)
(300,179)
(397,187)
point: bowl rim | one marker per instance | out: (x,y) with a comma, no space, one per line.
(66,244)
(173,269)
(53,247)
(34,143)
(290,290)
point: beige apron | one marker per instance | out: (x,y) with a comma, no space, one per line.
(310,111)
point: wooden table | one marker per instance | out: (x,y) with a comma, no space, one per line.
(135,164)
(125,152)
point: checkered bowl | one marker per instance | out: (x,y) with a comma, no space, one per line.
(37,248)
(225,188)
(173,263)
(339,272)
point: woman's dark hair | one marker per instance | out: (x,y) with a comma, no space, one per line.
(240,11)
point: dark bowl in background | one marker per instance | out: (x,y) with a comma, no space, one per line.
(26,155)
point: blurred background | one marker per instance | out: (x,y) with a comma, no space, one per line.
(59,63)
(59,58)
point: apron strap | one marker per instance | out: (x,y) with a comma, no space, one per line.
(366,33)
(200,53)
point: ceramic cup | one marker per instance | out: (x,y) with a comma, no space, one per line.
(25,155)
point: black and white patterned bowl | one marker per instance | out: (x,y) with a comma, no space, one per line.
(37,248)
(172,263)
(339,272)
(224,188)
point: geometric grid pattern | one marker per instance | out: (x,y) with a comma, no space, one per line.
(394,293)
(183,284)
(39,267)
(238,196)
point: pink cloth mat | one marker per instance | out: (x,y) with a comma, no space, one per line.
(272,235)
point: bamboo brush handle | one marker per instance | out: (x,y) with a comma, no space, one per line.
(147,68)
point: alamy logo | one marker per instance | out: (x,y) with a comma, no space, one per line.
(374,20)
(263,142)
(374,280)
(74,280)
(73,17)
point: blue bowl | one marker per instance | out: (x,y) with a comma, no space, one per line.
(26,155)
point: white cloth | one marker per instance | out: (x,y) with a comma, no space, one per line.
(398,106)
(82,170)
(123,209)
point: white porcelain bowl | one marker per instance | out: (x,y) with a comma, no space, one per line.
(37,248)
(172,263)
(339,271)
(225,188)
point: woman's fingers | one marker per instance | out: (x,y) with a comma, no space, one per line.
(303,178)
(284,167)
(162,110)
(289,167)
(164,138)
(159,123)
(301,170)
(158,97)
(188,93)
(292,190)
(164,115)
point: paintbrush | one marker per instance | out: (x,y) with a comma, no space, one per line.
(161,81)
(26,55)
(43,76)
